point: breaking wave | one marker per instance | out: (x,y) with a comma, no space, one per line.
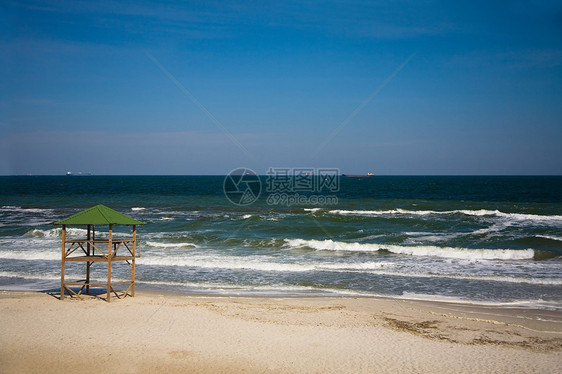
(30,255)
(55,233)
(257,264)
(476,213)
(445,252)
(14,208)
(551,237)
(170,245)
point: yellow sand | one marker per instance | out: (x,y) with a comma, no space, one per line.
(192,334)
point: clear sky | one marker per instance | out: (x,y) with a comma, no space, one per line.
(204,87)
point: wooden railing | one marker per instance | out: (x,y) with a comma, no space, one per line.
(102,247)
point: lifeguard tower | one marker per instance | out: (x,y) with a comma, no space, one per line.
(91,250)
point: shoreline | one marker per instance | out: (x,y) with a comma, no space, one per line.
(51,285)
(168,331)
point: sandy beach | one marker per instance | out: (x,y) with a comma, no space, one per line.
(155,332)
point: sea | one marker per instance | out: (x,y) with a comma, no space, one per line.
(490,240)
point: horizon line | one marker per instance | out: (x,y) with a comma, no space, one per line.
(265,175)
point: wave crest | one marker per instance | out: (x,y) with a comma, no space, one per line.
(54,233)
(444,252)
(170,245)
(468,212)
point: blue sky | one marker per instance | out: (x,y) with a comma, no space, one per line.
(402,87)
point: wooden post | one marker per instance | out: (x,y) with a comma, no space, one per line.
(133,261)
(109,255)
(88,263)
(62,262)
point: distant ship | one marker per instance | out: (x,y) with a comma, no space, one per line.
(358,175)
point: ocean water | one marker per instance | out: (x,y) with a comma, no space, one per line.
(486,240)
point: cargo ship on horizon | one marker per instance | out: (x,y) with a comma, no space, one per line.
(358,175)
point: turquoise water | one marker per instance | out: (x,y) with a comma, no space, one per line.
(475,239)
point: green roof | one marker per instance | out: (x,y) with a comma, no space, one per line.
(99,215)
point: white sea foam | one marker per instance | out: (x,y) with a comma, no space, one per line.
(13,208)
(551,237)
(223,262)
(376,268)
(477,213)
(429,237)
(532,304)
(138,208)
(530,217)
(256,264)
(312,210)
(25,221)
(363,212)
(481,212)
(170,245)
(361,266)
(55,233)
(445,252)
(417,233)
(246,216)
(37,233)
(30,243)
(12,274)
(30,255)
(55,276)
(470,277)
(493,230)
(237,289)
